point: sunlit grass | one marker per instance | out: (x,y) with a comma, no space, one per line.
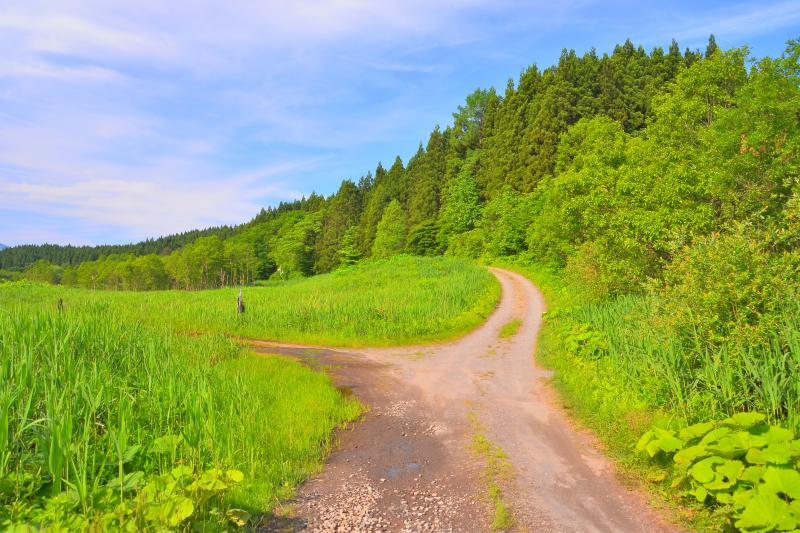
(90,379)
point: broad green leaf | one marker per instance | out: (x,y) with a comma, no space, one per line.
(703,471)
(779,453)
(700,493)
(714,435)
(166,444)
(235,475)
(696,430)
(663,441)
(726,475)
(765,512)
(752,474)
(182,508)
(777,434)
(780,481)
(182,472)
(744,420)
(130,454)
(736,444)
(685,457)
(239,517)
(742,497)
(723,497)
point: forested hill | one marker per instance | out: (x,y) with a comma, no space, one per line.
(19,257)
(606,166)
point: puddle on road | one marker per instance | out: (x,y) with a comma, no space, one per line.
(394,472)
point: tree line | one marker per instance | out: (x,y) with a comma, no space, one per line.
(618,169)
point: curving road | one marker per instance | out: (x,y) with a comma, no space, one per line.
(409,464)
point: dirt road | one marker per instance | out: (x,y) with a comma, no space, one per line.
(410,464)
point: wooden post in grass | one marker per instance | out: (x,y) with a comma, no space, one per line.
(240,303)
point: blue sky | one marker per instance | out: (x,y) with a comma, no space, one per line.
(132,119)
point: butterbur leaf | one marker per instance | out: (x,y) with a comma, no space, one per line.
(700,493)
(726,475)
(235,475)
(704,470)
(752,474)
(725,498)
(714,435)
(685,457)
(776,434)
(696,431)
(736,444)
(182,472)
(742,497)
(238,517)
(779,453)
(663,441)
(744,420)
(782,482)
(644,440)
(177,509)
(765,512)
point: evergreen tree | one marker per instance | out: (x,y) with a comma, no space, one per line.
(391,232)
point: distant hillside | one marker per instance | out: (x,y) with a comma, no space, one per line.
(3,246)
(21,256)
(18,258)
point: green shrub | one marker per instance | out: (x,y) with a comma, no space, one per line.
(726,288)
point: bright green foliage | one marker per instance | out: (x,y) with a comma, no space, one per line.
(107,422)
(348,252)
(746,469)
(461,207)
(43,271)
(504,221)
(390,236)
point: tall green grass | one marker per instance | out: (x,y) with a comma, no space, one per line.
(85,394)
(139,410)
(393,301)
(621,369)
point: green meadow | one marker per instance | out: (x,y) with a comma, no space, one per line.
(147,411)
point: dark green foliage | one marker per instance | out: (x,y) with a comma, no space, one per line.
(422,239)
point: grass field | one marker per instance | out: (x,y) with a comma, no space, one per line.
(388,302)
(140,409)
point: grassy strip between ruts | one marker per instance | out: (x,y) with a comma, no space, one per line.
(137,409)
(615,411)
(510,328)
(497,470)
